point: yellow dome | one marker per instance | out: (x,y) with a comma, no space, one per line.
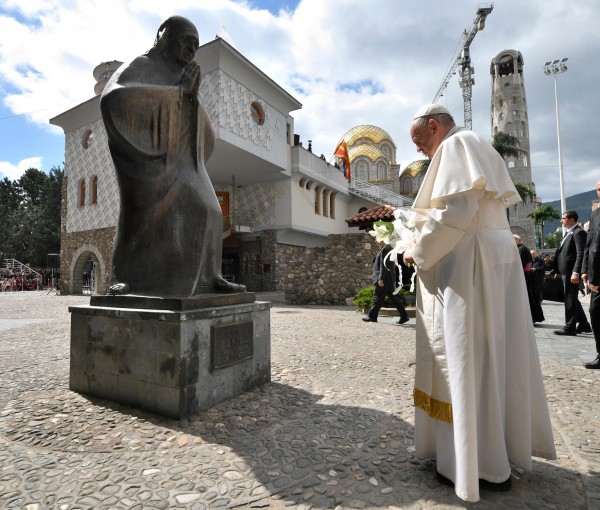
(373,133)
(370,151)
(416,167)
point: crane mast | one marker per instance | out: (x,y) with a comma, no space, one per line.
(462,58)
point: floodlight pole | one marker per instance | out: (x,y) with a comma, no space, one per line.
(556,67)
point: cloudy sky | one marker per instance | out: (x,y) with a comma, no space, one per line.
(348,62)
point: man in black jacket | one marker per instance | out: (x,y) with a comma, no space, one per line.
(568,262)
(591,275)
(384,280)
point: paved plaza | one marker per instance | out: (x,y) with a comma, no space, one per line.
(334,428)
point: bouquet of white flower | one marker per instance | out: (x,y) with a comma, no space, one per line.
(399,234)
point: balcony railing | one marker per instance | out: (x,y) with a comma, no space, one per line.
(378,194)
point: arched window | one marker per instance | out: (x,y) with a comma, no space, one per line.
(258,114)
(381,171)
(385,148)
(318,200)
(332,205)
(94,189)
(325,202)
(363,171)
(81,192)
(406,188)
(88,139)
(245,264)
(257,264)
(302,182)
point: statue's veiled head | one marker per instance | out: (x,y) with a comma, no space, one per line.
(177,39)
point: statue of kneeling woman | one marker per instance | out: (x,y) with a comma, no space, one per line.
(169,237)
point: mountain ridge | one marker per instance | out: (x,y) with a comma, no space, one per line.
(582,203)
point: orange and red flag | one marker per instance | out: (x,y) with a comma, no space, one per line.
(342,153)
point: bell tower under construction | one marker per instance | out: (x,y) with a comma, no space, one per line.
(509,115)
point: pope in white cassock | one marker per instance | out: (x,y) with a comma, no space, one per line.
(479,396)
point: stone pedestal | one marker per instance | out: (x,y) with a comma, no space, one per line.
(174,357)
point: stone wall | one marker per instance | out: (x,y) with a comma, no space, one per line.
(286,254)
(76,248)
(251,272)
(273,261)
(332,274)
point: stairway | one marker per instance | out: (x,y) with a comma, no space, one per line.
(378,194)
(18,267)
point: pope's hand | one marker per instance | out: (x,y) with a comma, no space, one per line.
(407,257)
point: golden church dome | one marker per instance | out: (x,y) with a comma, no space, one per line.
(370,151)
(416,167)
(373,133)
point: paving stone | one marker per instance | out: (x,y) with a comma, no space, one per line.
(334,427)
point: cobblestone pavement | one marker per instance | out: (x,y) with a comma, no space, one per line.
(334,428)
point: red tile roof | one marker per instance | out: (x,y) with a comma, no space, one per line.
(365,220)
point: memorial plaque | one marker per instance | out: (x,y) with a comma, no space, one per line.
(231,343)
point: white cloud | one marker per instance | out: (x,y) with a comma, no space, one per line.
(15,172)
(321,53)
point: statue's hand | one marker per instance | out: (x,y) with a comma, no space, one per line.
(190,80)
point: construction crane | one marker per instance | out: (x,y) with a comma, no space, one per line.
(462,58)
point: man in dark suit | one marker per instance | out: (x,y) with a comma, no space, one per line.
(568,262)
(591,276)
(384,280)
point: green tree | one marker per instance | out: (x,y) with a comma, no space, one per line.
(30,216)
(9,202)
(508,146)
(32,184)
(524,191)
(48,220)
(543,214)
(553,240)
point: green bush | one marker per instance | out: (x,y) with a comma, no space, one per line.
(364,298)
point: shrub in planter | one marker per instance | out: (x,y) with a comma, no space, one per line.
(364,298)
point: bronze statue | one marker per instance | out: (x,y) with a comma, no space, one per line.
(169,236)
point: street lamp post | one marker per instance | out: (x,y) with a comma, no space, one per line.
(553,68)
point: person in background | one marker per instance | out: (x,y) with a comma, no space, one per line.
(591,276)
(538,271)
(568,261)
(384,281)
(535,302)
(548,265)
(479,398)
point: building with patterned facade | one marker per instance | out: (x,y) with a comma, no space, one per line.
(509,115)
(277,197)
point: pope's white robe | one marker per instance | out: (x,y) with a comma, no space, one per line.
(479,395)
